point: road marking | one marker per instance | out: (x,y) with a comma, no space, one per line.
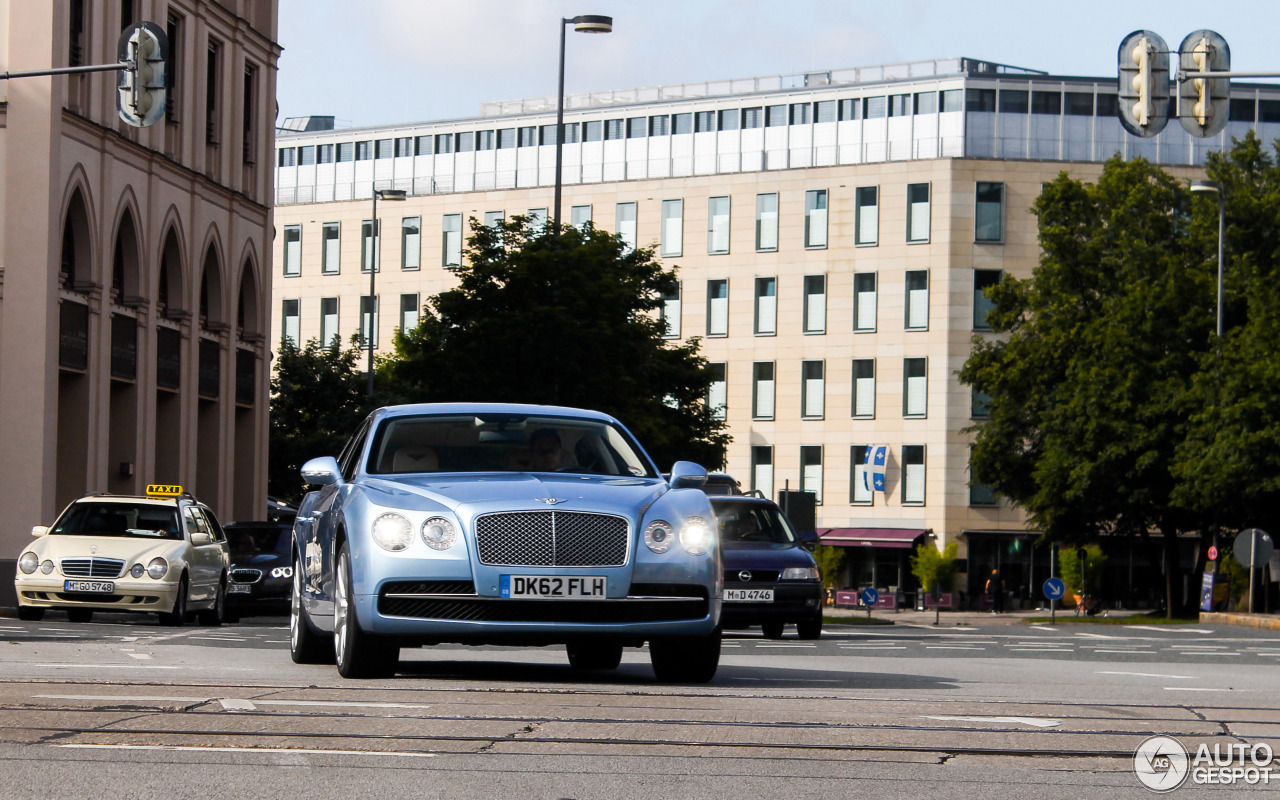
(218,749)
(1038,722)
(1148,675)
(217,639)
(139,655)
(951,647)
(1192,689)
(1127,652)
(763,644)
(108,666)
(230,704)
(1039,650)
(1168,629)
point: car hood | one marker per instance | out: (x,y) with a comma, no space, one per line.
(261,560)
(761,555)
(59,546)
(477,492)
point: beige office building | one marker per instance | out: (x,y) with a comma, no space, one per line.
(135,280)
(833,233)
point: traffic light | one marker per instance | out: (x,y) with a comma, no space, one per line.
(1202,102)
(1143,62)
(140,92)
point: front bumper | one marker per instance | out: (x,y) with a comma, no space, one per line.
(131,594)
(266,592)
(792,601)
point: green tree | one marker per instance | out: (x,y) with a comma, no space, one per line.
(830,560)
(934,567)
(1082,575)
(1090,377)
(317,400)
(564,320)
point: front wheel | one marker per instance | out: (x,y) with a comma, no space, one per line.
(79,614)
(30,614)
(594,655)
(772,630)
(686,659)
(358,654)
(810,628)
(177,616)
(306,645)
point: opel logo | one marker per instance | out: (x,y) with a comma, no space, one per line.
(745,576)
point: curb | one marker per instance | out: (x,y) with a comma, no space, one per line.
(1263,621)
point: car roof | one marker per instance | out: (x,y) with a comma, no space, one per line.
(492,408)
(134,499)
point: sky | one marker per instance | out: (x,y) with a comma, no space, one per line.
(381,62)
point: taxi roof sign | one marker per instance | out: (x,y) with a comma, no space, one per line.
(163,490)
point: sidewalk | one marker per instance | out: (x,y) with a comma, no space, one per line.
(952,618)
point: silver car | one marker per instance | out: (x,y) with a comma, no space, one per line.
(503,524)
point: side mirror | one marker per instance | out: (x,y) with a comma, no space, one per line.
(322,471)
(687,475)
(39,530)
(199,539)
(809,540)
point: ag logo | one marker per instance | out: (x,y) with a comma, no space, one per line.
(1161,763)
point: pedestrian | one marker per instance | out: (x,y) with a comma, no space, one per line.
(995,588)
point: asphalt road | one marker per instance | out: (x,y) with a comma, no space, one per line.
(122,707)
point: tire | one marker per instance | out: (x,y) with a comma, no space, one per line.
(306,644)
(177,616)
(30,614)
(358,654)
(79,614)
(686,659)
(810,628)
(213,617)
(773,630)
(594,655)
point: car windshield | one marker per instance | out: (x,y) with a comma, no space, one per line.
(142,520)
(753,522)
(504,443)
(248,541)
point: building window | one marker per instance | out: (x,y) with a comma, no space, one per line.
(915,387)
(762,390)
(637,128)
(766,306)
(452,229)
(249,146)
(729,119)
(980,100)
(368,322)
(980,494)
(718,308)
(860,492)
(364,151)
(580,217)
(660,125)
(926,102)
(211,89)
(292,250)
(528,136)
(404,147)
(824,111)
(811,471)
(864,301)
(864,388)
(382,148)
(952,100)
(849,108)
(572,133)
(718,391)
(917,212)
(368,246)
(989,212)
(287,157)
(1046,102)
(672,227)
(801,113)
(493,219)
(173,102)
(752,118)
(670,314)
(465,141)
(324,154)
(537,219)
(899,105)
(875,107)
(812,390)
(506,138)
(867,221)
(329,335)
(766,222)
(682,123)
(1013,101)
(983,279)
(290,320)
(815,218)
(306,156)
(346,151)
(762,469)
(704,121)
(444,143)
(408,313)
(613,129)
(979,404)
(484,140)
(917,300)
(411,243)
(718,225)
(593,131)
(626,223)
(913,474)
(330,251)
(1078,104)
(815,303)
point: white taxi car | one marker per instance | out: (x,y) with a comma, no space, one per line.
(164,553)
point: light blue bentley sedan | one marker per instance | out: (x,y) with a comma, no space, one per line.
(503,524)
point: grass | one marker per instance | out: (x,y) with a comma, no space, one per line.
(859,620)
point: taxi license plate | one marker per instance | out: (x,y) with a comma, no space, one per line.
(748,595)
(94,587)
(239,588)
(554,587)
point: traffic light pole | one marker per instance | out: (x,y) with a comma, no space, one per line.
(38,73)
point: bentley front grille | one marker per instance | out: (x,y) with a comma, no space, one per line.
(552,539)
(92,567)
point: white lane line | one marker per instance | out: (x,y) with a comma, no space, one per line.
(217,639)
(1192,689)
(231,704)
(1167,629)
(216,749)
(106,666)
(1148,675)
(950,647)
(143,656)
(762,644)
(1038,722)
(1128,652)
(1039,650)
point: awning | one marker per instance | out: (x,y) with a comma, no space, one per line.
(898,538)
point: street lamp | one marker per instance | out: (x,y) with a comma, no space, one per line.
(376,231)
(1204,187)
(583,23)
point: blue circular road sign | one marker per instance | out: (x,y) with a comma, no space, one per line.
(870,596)
(1054,588)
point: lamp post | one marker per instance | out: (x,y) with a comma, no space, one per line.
(376,232)
(1204,187)
(583,23)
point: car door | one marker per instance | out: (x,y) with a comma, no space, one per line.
(324,518)
(204,561)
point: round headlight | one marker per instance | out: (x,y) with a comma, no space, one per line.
(28,562)
(46,567)
(282,572)
(695,536)
(138,571)
(158,568)
(659,536)
(392,532)
(439,533)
